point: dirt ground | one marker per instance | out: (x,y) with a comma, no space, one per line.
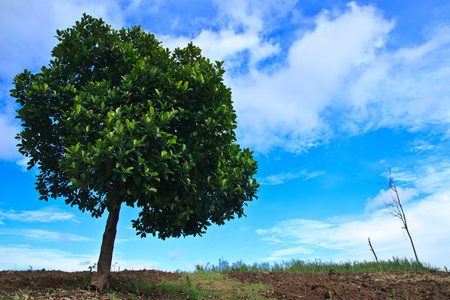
(41,284)
(386,285)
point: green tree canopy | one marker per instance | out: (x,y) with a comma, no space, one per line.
(116,118)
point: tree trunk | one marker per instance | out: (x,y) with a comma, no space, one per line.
(101,280)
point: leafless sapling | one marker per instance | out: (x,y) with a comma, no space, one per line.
(373,251)
(395,209)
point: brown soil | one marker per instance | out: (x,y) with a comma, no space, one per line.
(387,285)
(42,284)
(136,284)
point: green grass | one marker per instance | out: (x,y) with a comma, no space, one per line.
(200,285)
(318,266)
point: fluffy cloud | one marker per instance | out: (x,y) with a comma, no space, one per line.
(404,88)
(238,34)
(344,238)
(342,77)
(288,108)
(337,73)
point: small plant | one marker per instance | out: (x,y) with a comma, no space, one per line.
(86,279)
(20,295)
(88,276)
(139,287)
(91,268)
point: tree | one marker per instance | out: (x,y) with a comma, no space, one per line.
(395,209)
(117,119)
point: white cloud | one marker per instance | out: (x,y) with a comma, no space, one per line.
(16,257)
(27,38)
(419,145)
(51,214)
(8,132)
(44,235)
(241,29)
(339,75)
(345,238)
(405,87)
(21,257)
(385,196)
(287,109)
(343,77)
(431,176)
(283,177)
(9,126)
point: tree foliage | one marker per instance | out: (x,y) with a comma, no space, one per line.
(116,118)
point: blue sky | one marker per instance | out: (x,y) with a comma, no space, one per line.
(329,95)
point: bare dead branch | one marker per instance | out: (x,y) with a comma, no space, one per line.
(373,251)
(395,209)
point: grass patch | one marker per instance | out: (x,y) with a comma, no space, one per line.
(319,266)
(198,285)
(206,284)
